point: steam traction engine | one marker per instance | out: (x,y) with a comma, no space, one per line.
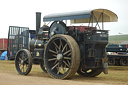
(63,50)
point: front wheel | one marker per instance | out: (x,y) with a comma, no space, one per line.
(23,62)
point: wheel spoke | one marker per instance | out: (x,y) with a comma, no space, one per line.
(20,59)
(54,66)
(66,52)
(54,55)
(60,44)
(64,47)
(52,51)
(69,54)
(25,59)
(56,45)
(56,50)
(22,55)
(52,59)
(67,58)
(66,64)
(55,62)
(22,69)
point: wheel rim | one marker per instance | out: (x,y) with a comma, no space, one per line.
(59,59)
(124,62)
(43,67)
(23,62)
(111,61)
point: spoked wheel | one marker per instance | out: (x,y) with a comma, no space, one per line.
(89,72)
(43,68)
(23,62)
(62,56)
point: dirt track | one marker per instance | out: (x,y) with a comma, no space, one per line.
(9,76)
(15,79)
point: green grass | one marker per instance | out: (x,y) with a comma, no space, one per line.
(118,38)
(117,73)
(118,68)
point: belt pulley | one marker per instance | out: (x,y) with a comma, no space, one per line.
(57,27)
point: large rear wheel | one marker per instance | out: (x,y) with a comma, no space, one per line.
(23,62)
(89,72)
(62,56)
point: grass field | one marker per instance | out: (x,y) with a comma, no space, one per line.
(117,74)
(118,38)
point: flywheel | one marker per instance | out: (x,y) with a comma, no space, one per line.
(57,27)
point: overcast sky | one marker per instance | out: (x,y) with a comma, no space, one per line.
(22,12)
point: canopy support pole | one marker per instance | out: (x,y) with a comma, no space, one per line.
(92,18)
(102,21)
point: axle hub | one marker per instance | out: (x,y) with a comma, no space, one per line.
(59,56)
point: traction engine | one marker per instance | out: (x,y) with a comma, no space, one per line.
(63,50)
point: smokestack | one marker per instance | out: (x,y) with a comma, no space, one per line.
(38,21)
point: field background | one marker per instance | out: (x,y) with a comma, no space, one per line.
(118,39)
(118,75)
